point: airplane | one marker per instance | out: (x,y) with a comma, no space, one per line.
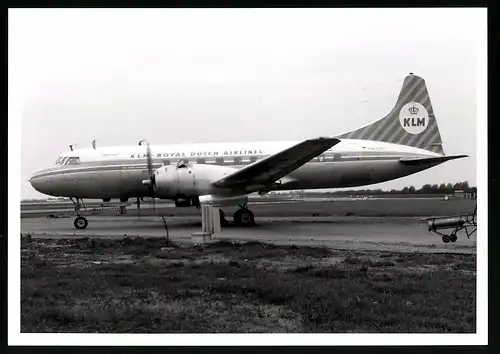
(405,141)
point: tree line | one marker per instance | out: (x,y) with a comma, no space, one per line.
(442,188)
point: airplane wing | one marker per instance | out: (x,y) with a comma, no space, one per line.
(271,168)
(427,160)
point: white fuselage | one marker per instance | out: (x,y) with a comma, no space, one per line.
(118,172)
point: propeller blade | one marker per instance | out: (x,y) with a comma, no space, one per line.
(150,164)
(151,175)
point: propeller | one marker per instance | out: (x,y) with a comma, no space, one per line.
(151,182)
(138,208)
(151,176)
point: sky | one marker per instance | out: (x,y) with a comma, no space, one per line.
(214,75)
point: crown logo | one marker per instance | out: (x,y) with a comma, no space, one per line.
(413,110)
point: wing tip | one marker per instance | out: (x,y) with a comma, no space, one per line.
(328,139)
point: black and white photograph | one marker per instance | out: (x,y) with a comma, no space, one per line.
(315,174)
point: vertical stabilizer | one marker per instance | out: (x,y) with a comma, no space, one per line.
(411,122)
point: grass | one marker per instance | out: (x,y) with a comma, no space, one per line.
(146,286)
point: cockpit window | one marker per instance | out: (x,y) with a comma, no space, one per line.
(73,161)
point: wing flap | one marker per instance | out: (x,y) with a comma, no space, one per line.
(273,167)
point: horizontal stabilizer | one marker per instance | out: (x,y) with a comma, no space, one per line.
(428,160)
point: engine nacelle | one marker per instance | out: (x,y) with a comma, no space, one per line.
(188,181)
(216,200)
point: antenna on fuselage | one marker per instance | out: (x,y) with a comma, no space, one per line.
(71,147)
(93,144)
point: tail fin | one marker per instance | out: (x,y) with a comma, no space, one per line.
(411,122)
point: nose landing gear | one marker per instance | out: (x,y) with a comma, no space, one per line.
(80,222)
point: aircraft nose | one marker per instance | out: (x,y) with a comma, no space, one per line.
(39,183)
(35,183)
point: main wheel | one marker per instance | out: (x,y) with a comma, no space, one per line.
(446,239)
(453,238)
(243,217)
(80,222)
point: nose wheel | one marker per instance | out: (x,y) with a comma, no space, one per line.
(80,222)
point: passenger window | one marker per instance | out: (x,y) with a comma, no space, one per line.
(200,160)
(237,161)
(253,159)
(219,161)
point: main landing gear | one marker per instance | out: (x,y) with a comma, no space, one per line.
(449,238)
(80,222)
(241,217)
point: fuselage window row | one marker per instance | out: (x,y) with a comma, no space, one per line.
(238,160)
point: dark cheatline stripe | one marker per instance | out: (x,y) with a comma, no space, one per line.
(87,169)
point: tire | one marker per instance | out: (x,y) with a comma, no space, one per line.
(446,239)
(243,217)
(80,223)
(453,238)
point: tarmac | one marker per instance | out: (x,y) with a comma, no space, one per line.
(401,234)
